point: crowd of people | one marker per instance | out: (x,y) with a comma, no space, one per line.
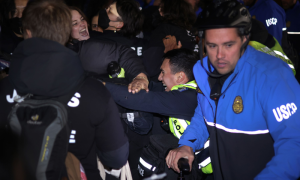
(214,82)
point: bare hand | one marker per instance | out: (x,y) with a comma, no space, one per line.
(139,82)
(181,152)
(171,43)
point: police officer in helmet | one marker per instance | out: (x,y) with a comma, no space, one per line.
(247,104)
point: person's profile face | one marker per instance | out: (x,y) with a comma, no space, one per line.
(166,76)
(20,6)
(160,10)
(223,48)
(113,15)
(95,26)
(79,27)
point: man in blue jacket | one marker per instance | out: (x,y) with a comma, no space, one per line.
(269,13)
(247,104)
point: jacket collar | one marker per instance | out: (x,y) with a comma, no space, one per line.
(190,84)
(202,77)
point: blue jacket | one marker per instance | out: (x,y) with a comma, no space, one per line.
(271,14)
(255,129)
(292,18)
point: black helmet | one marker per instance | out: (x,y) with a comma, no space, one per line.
(225,13)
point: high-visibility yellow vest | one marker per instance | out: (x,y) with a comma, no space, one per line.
(274,51)
(205,162)
(177,126)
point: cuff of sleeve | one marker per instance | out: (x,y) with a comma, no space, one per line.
(183,142)
(132,76)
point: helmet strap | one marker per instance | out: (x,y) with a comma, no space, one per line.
(244,45)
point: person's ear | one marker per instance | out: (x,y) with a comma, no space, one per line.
(180,77)
(120,25)
(245,38)
(27,34)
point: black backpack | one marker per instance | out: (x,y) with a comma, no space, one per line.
(42,125)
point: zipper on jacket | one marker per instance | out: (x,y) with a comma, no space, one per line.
(215,124)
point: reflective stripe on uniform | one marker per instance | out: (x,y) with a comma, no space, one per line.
(293,32)
(291,66)
(206,144)
(280,54)
(204,158)
(145,164)
(219,126)
(204,163)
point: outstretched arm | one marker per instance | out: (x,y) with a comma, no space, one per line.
(172,103)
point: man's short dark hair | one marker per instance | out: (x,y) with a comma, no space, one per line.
(48,19)
(182,60)
(132,17)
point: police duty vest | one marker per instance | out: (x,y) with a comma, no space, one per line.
(203,159)
(177,126)
(274,51)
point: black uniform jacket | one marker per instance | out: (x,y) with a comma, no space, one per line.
(48,69)
(95,55)
(177,103)
(137,44)
(152,56)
